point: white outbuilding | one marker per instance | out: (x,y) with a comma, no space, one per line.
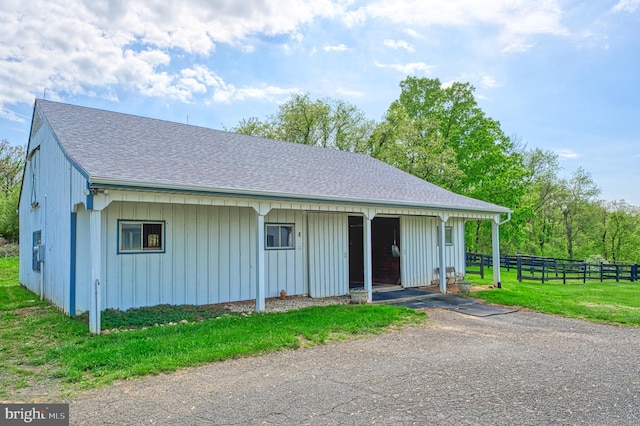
(121,211)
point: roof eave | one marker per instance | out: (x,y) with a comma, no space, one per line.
(232,192)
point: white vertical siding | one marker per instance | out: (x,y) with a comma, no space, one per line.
(83,265)
(286,269)
(328,254)
(418,251)
(55,193)
(455,253)
(208,258)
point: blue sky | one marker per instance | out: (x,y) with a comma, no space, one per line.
(561,75)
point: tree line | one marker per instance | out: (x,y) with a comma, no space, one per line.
(11,165)
(440,134)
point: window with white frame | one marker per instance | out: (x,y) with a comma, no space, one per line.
(141,236)
(279,236)
(448,235)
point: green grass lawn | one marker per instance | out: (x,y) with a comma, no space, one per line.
(45,355)
(608,301)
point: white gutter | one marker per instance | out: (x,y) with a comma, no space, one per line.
(505,221)
(300,197)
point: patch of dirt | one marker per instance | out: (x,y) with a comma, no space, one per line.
(27,310)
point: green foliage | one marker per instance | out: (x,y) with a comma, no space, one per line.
(153,315)
(440,134)
(9,218)
(415,145)
(11,165)
(607,301)
(43,350)
(325,122)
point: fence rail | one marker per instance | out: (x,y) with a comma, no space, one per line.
(550,269)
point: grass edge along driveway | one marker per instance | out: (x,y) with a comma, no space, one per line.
(46,356)
(607,302)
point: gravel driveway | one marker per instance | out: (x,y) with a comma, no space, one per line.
(521,368)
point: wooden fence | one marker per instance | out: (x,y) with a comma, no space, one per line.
(549,269)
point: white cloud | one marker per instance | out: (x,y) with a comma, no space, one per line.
(91,47)
(398,44)
(566,153)
(230,93)
(350,93)
(489,82)
(516,21)
(408,69)
(335,48)
(413,33)
(626,6)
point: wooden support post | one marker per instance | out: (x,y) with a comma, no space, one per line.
(443,266)
(95,232)
(495,246)
(368,260)
(519,267)
(260,268)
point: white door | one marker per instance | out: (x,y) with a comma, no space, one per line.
(328,254)
(418,251)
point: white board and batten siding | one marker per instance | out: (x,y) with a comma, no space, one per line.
(48,207)
(209,256)
(420,249)
(418,236)
(286,268)
(328,254)
(455,252)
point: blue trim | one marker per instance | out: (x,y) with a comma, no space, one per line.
(89,200)
(164,233)
(72,271)
(279,224)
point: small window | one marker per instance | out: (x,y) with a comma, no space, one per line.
(279,236)
(448,235)
(141,237)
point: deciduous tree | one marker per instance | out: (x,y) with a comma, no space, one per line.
(325,122)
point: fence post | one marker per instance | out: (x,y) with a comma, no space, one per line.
(584,273)
(617,273)
(601,272)
(544,266)
(519,266)
(564,273)
(482,266)
(634,272)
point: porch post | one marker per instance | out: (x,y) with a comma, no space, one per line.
(443,266)
(260,269)
(368,267)
(495,246)
(95,235)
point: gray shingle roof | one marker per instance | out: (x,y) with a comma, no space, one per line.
(144,152)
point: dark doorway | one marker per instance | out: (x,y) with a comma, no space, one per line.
(385,233)
(356,251)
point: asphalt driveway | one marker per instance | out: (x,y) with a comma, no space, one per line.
(521,368)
